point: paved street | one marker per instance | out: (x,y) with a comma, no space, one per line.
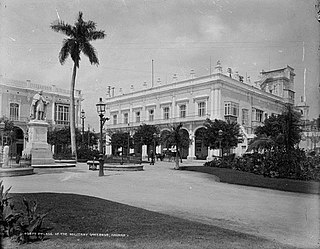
(290,218)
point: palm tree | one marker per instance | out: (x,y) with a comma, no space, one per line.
(260,143)
(79,37)
(175,138)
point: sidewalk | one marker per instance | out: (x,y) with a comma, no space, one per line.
(289,218)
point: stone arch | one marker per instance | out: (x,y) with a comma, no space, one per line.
(162,144)
(17,141)
(201,151)
(184,151)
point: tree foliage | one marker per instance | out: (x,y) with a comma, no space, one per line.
(229,138)
(121,139)
(175,137)
(79,37)
(60,137)
(277,140)
(283,130)
(145,134)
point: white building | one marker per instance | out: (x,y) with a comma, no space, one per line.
(221,95)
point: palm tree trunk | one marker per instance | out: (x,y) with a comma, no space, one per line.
(177,160)
(72,114)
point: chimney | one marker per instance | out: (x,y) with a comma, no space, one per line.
(175,77)
(192,74)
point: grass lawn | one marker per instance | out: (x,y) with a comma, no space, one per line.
(250,179)
(71,214)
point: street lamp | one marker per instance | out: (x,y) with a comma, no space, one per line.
(101,109)
(2,126)
(82,116)
(154,141)
(220,133)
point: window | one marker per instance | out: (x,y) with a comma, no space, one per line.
(201,109)
(257,115)
(231,109)
(183,109)
(14,111)
(62,114)
(138,117)
(166,112)
(115,118)
(291,95)
(245,117)
(151,115)
(125,118)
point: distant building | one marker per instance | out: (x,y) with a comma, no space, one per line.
(15,101)
(310,137)
(221,95)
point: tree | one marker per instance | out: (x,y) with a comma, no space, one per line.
(175,138)
(284,130)
(8,129)
(79,37)
(277,140)
(145,134)
(227,140)
(61,139)
(123,140)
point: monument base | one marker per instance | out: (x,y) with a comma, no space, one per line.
(37,145)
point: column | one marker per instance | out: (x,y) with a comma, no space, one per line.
(212,104)
(191,151)
(144,152)
(219,104)
(108,146)
(173,107)
(210,154)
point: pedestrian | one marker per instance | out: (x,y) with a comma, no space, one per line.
(152,157)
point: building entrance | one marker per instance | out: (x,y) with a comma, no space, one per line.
(201,151)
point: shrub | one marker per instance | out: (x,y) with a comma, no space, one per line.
(87,154)
(295,165)
(30,222)
(15,223)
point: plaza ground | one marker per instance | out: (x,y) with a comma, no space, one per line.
(285,217)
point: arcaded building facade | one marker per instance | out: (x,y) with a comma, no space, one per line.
(221,95)
(15,101)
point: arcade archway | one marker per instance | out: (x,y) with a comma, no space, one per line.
(201,151)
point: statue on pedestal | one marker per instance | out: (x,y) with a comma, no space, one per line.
(6,155)
(38,107)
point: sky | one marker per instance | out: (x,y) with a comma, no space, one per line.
(179,35)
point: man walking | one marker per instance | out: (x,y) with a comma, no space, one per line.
(152,157)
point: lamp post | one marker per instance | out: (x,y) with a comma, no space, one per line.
(101,109)
(82,116)
(2,126)
(141,141)
(154,141)
(220,133)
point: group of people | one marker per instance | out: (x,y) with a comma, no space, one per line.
(170,155)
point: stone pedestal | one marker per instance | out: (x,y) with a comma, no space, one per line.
(144,152)
(37,145)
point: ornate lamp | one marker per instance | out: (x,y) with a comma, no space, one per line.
(101,109)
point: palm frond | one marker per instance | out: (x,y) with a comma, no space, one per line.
(260,143)
(90,25)
(90,51)
(65,51)
(95,35)
(61,26)
(80,20)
